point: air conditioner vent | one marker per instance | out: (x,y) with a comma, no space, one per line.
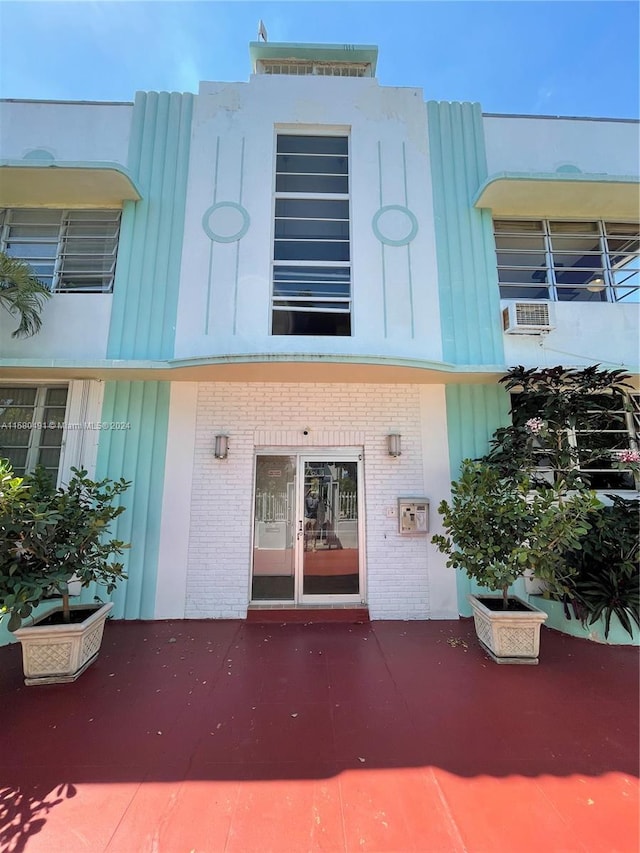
(527,318)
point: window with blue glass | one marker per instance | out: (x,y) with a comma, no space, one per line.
(311,247)
(568,261)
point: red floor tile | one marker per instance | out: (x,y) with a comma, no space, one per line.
(221,736)
(285,814)
(194,815)
(505,815)
(396,810)
(57,815)
(601,812)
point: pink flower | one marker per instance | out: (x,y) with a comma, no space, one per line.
(629,455)
(535,425)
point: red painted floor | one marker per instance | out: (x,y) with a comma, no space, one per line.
(198,737)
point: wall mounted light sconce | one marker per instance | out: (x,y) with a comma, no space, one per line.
(393,444)
(596,285)
(221,450)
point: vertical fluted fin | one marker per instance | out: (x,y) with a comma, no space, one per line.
(145,297)
(468,285)
(137,454)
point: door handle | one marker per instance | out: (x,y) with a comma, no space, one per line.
(300,528)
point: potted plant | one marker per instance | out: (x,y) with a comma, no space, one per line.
(48,537)
(496,527)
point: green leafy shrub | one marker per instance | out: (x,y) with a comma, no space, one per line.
(606,567)
(527,503)
(497,527)
(49,535)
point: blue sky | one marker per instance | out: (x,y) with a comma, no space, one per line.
(553,58)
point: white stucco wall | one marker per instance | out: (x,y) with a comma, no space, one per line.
(171,587)
(75,327)
(534,144)
(584,333)
(225,287)
(69,131)
(406,578)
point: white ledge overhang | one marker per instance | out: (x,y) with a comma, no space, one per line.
(290,51)
(29,183)
(561,194)
(298,367)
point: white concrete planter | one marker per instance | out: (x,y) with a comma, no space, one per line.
(511,636)
(57,654)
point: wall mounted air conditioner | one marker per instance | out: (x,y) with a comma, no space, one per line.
(527,318)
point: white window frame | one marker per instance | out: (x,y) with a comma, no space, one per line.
(38,423)
(82,425)
(69,219)
(610,290)
(310,196)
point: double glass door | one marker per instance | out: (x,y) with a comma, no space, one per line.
(306,541)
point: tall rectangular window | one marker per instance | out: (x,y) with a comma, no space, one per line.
(31,426)
(70,251)
(311,250)
(568,261)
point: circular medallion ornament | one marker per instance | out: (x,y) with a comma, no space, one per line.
(394,225)
(226,222)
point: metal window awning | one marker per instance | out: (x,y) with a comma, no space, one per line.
(561,194)
(28,183)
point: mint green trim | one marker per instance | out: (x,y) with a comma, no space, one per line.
(134,193)
(467,273)
(215,171)
(219,238)
(474,412)
(241,171)
(237,270)
(42,154)
(404,174)
(563,177)
(410,276)
(403,241)
(359,53)
(383,267)
(137,454)
(145,296)
(234,325)
(207,318)
(382,257)
(410,282)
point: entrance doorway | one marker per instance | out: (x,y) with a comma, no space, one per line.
(307,532)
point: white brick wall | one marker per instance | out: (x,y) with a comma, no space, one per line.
(272,415)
